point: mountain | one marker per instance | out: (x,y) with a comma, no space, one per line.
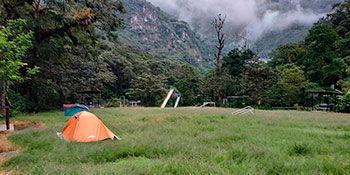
(266,25)
(162,35)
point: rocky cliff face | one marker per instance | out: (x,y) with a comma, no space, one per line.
(162,35)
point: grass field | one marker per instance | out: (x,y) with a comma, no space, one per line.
(189,141)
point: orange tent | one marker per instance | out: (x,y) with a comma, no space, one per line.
(86,127)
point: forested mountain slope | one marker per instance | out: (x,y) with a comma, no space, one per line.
(163,35)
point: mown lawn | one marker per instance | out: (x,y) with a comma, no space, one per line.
(190,141)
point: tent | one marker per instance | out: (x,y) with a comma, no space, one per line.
(66,106)
(85,127)
(75,109)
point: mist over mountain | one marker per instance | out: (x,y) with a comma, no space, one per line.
(253,20)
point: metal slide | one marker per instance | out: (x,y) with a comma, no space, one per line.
(207,103)
(177,102)
(244,111)
(167,98)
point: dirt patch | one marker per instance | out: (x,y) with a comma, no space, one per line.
(19,126)
(7,150)
(5,145)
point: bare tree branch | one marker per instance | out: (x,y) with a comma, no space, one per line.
(218,24)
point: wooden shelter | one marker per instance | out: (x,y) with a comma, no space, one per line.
(91,92)
(326,95)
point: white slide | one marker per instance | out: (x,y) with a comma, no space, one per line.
(167,98)
(177,102)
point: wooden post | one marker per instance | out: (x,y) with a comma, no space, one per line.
(313,101)
(328,102)
(7,117)
(335,102)
(99,101)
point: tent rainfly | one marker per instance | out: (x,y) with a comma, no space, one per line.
(86,127)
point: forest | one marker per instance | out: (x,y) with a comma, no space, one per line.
(52,50)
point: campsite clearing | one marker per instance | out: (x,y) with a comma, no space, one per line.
(189,141)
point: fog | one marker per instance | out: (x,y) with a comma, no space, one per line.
(248,18)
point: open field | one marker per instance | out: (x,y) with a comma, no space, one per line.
(189,141)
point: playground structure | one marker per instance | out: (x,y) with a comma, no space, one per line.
(125,102)
(170,94)
(134,103)
(244,111)
(208,103)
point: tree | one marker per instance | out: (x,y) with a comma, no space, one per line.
(320,62)
(188,84)
(236,59)
(291,82)
(122,68)
(148,88)
(217,81)
(65,32)
(218,24)
(256,79)
(14,44)
(287,54)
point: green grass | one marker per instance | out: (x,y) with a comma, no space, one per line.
(190,141)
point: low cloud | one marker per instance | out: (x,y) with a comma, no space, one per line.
(251,18)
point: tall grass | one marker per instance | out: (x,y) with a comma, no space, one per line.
(190,141)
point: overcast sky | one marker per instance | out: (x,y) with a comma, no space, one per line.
(251,17)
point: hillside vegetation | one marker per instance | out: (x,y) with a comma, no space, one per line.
(73,47)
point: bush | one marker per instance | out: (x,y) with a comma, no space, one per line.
(300,149)
(340,107)
(298,107)
(114,102)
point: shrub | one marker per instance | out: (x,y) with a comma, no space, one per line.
(300,149)
(114,102)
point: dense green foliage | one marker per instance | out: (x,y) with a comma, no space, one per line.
(14,44)
(76,46)
(189,141)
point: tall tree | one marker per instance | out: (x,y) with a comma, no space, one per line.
(292,82)
(321,63)
(256,79)
(14,44)
(189,84)
(217,80)
(148,88)
(218,24)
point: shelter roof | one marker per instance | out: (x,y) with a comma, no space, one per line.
(326,92)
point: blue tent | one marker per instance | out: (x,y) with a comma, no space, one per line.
(75,109)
